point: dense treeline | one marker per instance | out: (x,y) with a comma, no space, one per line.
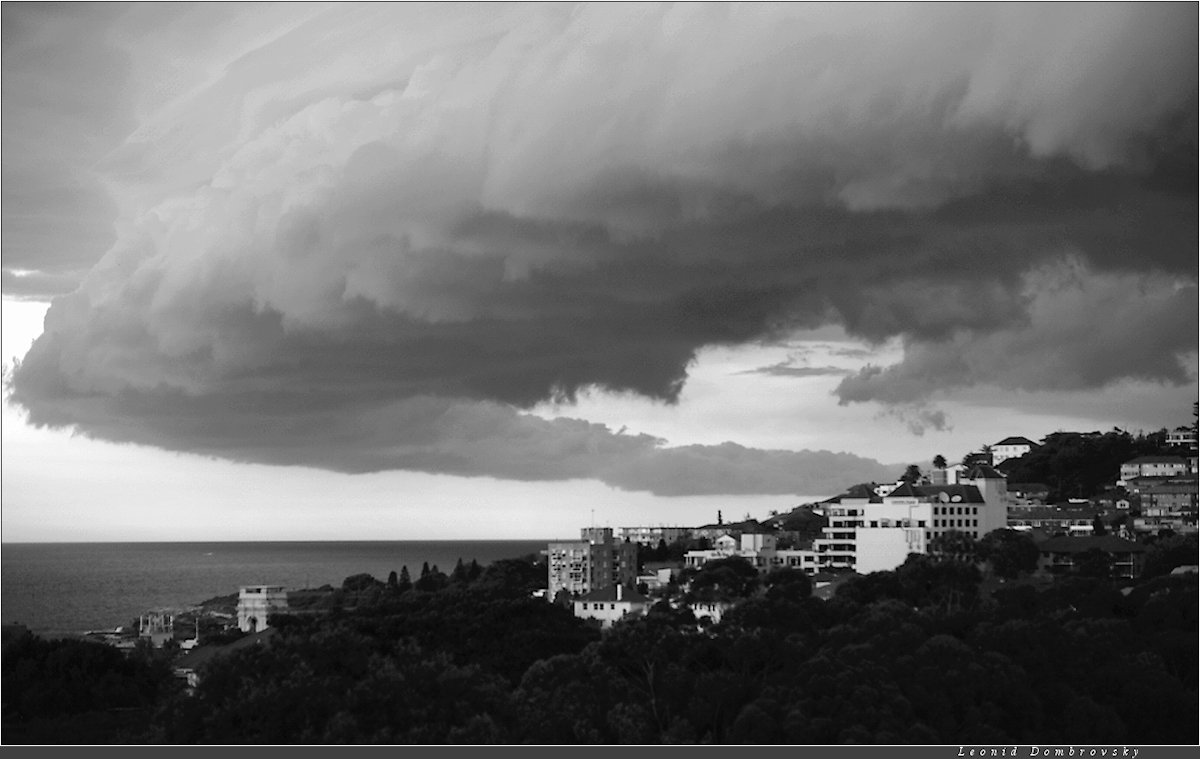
(911,656)
(917,655)
(78,691)
(1081,465)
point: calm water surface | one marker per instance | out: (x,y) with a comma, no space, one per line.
(56,588)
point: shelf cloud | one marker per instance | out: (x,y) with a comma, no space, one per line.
(372,236)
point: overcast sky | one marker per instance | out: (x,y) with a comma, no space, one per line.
(407,271)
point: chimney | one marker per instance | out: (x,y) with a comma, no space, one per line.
(619,592)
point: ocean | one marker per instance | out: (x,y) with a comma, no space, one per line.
(59,589)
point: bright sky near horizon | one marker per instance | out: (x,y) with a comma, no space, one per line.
(393,271)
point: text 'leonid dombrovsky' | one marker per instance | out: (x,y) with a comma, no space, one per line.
(1052,752)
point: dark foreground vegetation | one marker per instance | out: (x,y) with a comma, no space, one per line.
(918,655)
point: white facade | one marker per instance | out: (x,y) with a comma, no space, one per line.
(713,610)
(883,549)
(256,603)
(1153,466)
(610,605)
(1011,448)
(757,548)
(874,537)
(1182,436)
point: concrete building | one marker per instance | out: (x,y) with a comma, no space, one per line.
(1052,519)
(610,604)
(1182,436)
(1153,466)
(1166,503)
(872,533)
(650,536)
(256,603)
(1011,448)
(594,562)
(869,533)
(757,548)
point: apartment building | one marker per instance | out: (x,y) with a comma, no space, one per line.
(650,536)
(1182,436)
(1153,466)
(872,533)
(594,562)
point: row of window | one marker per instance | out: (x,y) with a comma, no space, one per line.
(952,523)
(946,510)
(598,606)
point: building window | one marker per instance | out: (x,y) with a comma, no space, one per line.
(921,523)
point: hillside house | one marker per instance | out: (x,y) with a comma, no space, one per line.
(611,604)
(1011,448)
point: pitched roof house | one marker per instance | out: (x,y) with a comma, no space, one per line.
(610,604)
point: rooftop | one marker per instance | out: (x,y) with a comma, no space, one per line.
(1017,440)
(963,493)
(1158,460)
(983,472)
(610,594)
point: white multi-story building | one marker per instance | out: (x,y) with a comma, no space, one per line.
(1153,466)
(870,533)
(256,603)
(1011,448)
(1185,436)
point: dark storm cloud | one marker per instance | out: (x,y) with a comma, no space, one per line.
(588,196)
(1083,331)
(65,105)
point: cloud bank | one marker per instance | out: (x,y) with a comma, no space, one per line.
(371,236)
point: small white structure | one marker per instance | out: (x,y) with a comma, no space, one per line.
(256,603)
(610,604)
(1011,448)
(712,610)
(158,626)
